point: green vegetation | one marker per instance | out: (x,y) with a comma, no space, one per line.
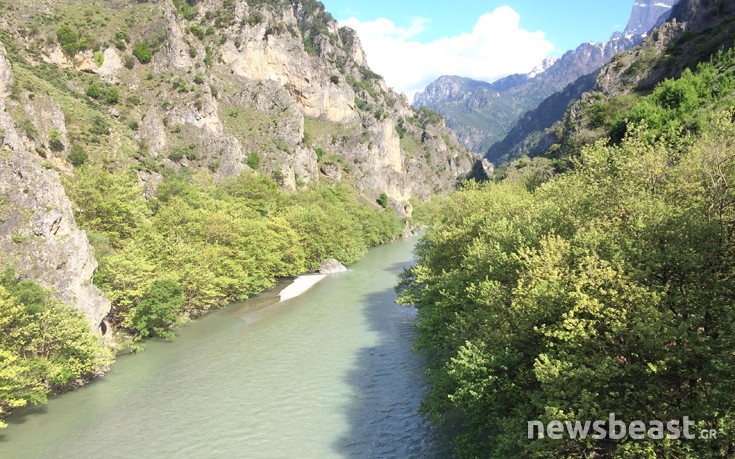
(604,289)
(676,106)
(184,8)
(44,345)
(78,156)
(56,140)
(383,200)
(99,58)
(215,242)
(70,40)
(143,52)
(253,161)
(93,90)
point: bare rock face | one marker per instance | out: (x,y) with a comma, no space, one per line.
(331,266)
(39,237)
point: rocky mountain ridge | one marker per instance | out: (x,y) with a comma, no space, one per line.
(483,117)
(696,31)
(212,86)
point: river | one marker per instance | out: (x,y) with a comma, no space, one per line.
(327,374)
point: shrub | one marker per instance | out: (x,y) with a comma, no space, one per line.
(253,161)
(122,39)
(196,30)
(176,155)
(383,200)
(55,140)
(93,90)
(99,58)
(143,51)
(99,126)
(78,156)
(112,95)
(68,39)
(129,61)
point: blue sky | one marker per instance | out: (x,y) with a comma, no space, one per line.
(412,42)
(566,23)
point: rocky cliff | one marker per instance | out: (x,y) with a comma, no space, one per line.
(647,14)
(231,80)
(214,86)
(39,238)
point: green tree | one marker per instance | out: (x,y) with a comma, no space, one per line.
(159,309)
(107,203)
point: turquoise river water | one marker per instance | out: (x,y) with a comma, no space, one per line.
(327,374)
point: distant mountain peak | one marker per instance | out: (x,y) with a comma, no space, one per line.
(648,14)
(542,67)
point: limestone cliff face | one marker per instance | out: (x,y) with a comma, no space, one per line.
(38,235)
(280,80)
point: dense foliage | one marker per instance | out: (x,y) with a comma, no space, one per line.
(45,345)
(197,244)
(607,289)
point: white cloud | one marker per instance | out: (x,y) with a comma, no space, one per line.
(496,47)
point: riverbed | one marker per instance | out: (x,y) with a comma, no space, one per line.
(329,373)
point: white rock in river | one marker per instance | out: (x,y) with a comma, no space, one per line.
(331,266)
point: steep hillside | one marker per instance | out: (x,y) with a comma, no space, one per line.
(210,84)
(216,87)
(696,33)
(483,114)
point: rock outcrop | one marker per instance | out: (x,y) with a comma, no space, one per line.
(331,266)
(39,237)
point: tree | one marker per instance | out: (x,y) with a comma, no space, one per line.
(159,309)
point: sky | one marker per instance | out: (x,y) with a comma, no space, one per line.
(411,43)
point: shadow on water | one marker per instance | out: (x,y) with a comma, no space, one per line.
(19,417)
(388,384)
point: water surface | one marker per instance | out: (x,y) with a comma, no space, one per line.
(327,374)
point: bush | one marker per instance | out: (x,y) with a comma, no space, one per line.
(383,200)
(56,140)
(121,39)
(143,51)
(93,90)
(99,58)
(112,95)
(78,156)
(176,155)
(196,30)
(68,39)
(128,61)
(253,161)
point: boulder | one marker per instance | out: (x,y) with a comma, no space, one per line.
(331,266)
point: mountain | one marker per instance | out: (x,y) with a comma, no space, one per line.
(697,31)
(482,115)
(646,15)
(206,89)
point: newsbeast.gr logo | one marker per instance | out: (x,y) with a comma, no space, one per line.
(615,429)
